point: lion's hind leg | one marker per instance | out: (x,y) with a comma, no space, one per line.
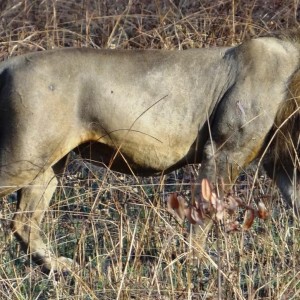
(287,177)
(33,201)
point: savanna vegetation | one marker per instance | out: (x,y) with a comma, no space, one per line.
(117,226)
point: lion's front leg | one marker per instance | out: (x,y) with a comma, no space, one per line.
(33,201)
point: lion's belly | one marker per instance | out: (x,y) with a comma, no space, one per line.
(142,150)
(149,152)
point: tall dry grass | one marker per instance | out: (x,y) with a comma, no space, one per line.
(116,226)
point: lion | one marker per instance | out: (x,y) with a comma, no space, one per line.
(147,112)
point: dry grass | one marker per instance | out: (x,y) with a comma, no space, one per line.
(116,226)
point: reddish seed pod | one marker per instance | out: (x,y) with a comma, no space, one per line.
(262,211)
(206,189)
(172,201)
(249,219)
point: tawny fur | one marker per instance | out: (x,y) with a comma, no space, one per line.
(147,112)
